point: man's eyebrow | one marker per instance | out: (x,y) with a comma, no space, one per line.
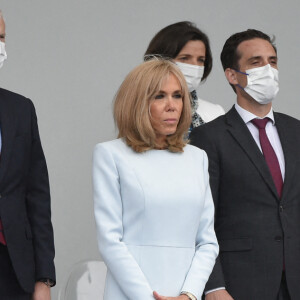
(254,58)
(259,57)
(273,57)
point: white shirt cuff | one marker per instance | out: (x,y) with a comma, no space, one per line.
(217,289)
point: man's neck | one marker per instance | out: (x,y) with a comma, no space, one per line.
(254,107)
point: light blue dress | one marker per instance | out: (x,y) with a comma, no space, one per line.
(155,220)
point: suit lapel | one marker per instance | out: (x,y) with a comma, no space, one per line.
(240,132)
(8,128)
(289,151)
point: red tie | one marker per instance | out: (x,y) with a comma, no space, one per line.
(2,238)
(269,153)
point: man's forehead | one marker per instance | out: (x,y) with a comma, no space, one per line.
(255,47)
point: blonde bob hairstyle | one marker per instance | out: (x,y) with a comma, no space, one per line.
(132,106)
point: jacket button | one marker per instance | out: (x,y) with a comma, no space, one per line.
(278,238)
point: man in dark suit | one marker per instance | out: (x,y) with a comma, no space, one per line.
(26,236)
(254,156)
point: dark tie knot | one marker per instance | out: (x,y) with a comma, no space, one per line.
(260,123)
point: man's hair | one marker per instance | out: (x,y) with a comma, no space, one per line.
(132,106)
(169,41)
(230,56)
(1,14)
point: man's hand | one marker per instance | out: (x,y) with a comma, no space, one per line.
(41,292)
(218,295)
(160,297)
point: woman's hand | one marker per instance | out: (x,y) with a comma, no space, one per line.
(160,297)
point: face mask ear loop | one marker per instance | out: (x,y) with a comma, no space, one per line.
(240,86)
(241,72)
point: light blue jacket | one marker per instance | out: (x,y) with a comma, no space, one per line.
(155,220)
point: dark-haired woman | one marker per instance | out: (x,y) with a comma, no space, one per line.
(189,47)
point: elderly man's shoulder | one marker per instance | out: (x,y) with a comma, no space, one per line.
(13,98)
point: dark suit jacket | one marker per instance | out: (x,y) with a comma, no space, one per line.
(257,231)
(24,191)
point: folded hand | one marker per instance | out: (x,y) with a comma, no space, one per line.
(160,297)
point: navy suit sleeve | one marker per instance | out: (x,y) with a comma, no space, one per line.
(38,206)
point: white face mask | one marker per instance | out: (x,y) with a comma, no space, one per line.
(3,55)
(262,84)
(193,74)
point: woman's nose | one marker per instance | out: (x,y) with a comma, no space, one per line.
(170,103)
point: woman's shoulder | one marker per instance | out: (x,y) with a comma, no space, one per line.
(113,146)
(209,111)
(209,104)
(194,151)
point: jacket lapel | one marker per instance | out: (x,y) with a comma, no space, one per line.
(289,150)
(8,128)
(240,132)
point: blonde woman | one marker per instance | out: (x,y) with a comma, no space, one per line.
(153,204)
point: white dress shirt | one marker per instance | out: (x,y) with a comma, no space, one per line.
(271,131)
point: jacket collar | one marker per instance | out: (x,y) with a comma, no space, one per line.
(290,152)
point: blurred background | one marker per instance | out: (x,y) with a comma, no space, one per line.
(70,56)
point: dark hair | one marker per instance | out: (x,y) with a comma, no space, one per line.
(230,55)
(169,41)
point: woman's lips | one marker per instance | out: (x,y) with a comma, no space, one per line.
(171,121)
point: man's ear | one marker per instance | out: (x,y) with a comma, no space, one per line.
(231,76)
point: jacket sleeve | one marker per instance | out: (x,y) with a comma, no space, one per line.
(108,215)
(38,206)
(206,242)
(202,139)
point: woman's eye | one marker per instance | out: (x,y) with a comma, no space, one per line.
(159,96)
(177,96)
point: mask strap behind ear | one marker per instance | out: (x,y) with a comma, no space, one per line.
(241,72)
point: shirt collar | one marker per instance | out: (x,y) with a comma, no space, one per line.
(247,116)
